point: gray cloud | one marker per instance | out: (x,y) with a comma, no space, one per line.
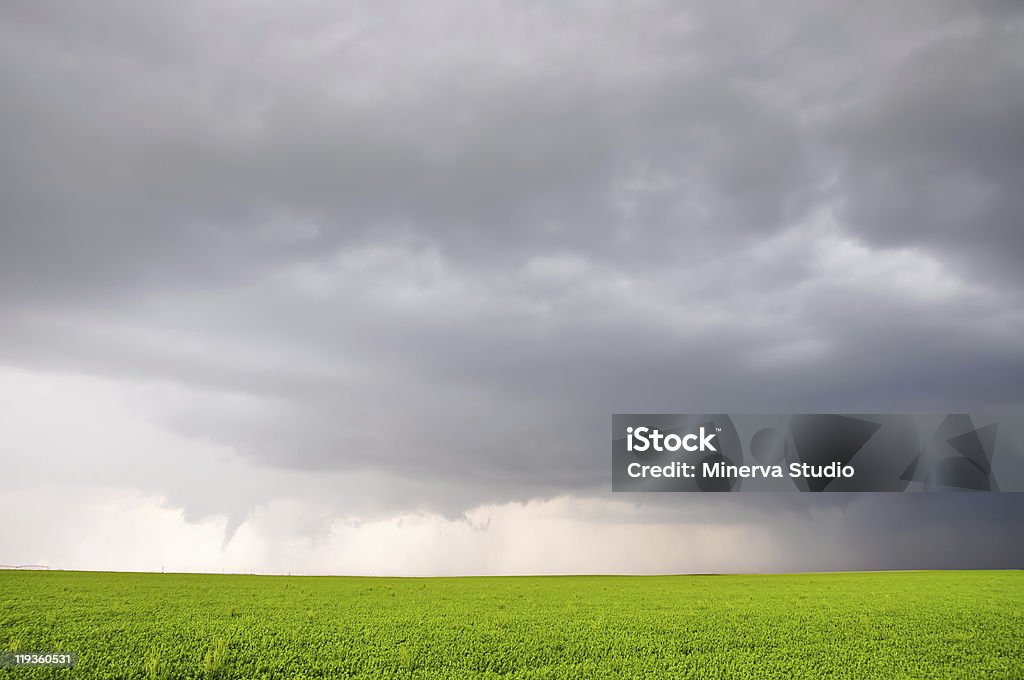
(443,246)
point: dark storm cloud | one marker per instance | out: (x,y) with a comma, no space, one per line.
(446,244)
(930,158)
(854,532)
(215,149)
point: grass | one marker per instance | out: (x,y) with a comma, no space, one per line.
(855,625)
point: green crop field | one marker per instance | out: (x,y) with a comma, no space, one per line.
(856,625)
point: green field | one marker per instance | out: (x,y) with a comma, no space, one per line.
(856,625)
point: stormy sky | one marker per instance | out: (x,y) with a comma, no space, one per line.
(355,287)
